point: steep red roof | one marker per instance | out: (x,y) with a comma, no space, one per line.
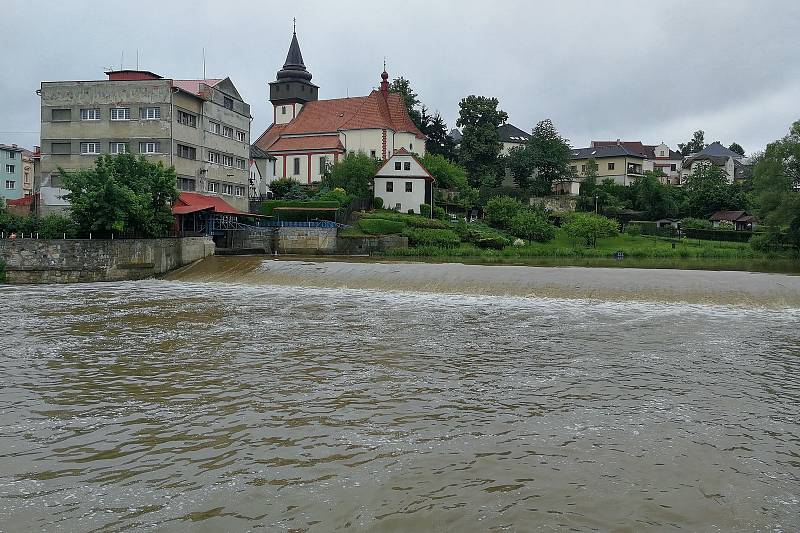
(193,86)
(312,142)
(269,136)
(191,202)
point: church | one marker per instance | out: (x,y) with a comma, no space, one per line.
(308,135)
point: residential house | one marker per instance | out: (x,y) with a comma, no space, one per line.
(659,157)
(511,137)
(11,176)
(262,172)
(616,161)
(201,127)
(403,183)
(717,155)
(741,220)
(309,134)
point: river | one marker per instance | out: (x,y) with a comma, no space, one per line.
(249,395)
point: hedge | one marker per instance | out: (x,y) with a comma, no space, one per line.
(415,221)
(379,226)
(718,235)
(445,238)
(268,206)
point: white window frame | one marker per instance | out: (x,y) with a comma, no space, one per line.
(241,164)
(113,148)
(91,113)
(117,111)
(213,157)
(85,148)
(214,127)
(411,183)
(156,149)
(227,131)
(150,113)
(239,191)
(13,184)
(227,160)
(10,169)
(241,136)
(227,188)
(212,186)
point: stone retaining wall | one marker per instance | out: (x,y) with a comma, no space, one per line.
(73,260)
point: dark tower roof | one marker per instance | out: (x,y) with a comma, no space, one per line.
(294,68)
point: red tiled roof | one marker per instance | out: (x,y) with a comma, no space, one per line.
(191,202)
(402,151)
(312,142)
(732,216)
(193,86)
(25,201)
(375,111)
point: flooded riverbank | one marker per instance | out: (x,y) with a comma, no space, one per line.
(236,399)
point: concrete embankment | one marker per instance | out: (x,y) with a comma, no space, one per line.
(611,284)
(80,260)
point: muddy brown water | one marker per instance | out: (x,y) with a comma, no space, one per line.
(244,394)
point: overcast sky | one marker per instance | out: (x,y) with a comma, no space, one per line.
(599,69)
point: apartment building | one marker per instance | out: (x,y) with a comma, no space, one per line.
(11,171)
(201,127)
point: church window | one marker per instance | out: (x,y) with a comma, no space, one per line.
(389,186)
(296,166)
(398,165)
(323,162)
(407,165)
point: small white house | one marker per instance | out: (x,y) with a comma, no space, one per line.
(404,183)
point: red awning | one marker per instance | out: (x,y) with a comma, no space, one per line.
(192,202)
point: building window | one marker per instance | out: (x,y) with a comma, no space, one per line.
(323,164)
(61,115)
(611,166)
(213,157)
(187,119)
(214,127)
(398,165)
(389,186)
(212,186)
(187,152)
(409,186)
(410,147)
(574,168)
(227,160)
(10,169)
(241,164)
(228,103)
(407,165)
(118,148)
(296,166)
(373,154)
(283,110)
(583,169)
(227,131)
(152,147)
(12,155)
(239,191)
(120,113)
(186,184)
(90,148)
(60,148)
(90,114)
(150,113)
(673,167)
(241,136)
(227,189)
(11,184)
(662,153)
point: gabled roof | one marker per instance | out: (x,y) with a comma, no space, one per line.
(732,216)
(427,176)
(192,202)
(648,150)
(716,149)
(597,152)
(193,86)
(11,148)
(512,134)
(269,136)
(258,153)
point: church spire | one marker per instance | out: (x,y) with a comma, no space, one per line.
(384,79)
(293,67)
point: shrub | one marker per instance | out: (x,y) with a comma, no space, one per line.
(55,226)
(377,203)
(633,229)
(768,242)
(588,227)
(268,208)
(482,235)
(286,188)
(378,226)
(532,226)
(415,221)
(439,213)
(411,212)
(336,195)
(425,210)
(501,209)
(695,223)
(445,238)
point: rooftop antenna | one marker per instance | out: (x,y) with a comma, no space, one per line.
(121,59)
(204,63)
(294,25)
(137,59)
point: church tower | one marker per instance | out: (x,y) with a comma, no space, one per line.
(292,87)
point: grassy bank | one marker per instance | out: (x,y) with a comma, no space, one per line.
(639,251)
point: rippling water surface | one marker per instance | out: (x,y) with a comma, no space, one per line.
(220,407)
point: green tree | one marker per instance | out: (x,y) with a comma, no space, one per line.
(542,161)
(500,210)
(736,147)
(655,198)
(122,194)
(451,177)
(588,227)
(439,142)
(480,147)
(707,191)
(402,87)
(532,225)
(287,189)
(776,180)
(694,145)
(353,173)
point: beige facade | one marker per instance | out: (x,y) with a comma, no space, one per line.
(201,127)
(622,169)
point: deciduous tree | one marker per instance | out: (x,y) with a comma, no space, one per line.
(694,145)
(353,173)
(542,161)
(479,119)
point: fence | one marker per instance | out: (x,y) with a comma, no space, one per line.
(293,224)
